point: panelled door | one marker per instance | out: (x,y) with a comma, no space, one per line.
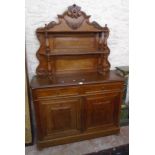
(101,111)
(58,117)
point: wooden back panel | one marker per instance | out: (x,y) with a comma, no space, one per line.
(74,64)
(73,42)
(72,45)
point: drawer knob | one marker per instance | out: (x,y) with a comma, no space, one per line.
(80,83)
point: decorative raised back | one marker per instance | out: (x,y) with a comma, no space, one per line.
(72,20)
(72,45)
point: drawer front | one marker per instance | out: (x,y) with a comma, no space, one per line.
(51,92)
(75,90)
(103,87)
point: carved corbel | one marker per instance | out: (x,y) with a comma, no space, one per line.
(106,51)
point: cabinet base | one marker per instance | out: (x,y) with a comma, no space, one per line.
(80,137)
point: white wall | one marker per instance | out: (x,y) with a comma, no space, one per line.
(111,12)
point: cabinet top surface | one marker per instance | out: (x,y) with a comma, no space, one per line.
(75,79)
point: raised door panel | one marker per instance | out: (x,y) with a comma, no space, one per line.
(102,111)
(59,117)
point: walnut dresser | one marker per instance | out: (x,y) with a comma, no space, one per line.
(75,95)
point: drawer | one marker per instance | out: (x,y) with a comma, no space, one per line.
(103,87)
(51,92)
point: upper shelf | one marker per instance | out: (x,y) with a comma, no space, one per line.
(71,53)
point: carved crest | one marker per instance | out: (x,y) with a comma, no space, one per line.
(74,11)
(74,16)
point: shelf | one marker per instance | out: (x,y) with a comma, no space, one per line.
(72,53)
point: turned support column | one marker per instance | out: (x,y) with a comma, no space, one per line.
(48,53)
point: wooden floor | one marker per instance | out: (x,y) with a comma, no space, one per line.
(83,147)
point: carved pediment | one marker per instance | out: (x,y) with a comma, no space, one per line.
(73,19)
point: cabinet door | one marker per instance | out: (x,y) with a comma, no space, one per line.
(58,117)
(102,111)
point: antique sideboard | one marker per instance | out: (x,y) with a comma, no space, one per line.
(75,94)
